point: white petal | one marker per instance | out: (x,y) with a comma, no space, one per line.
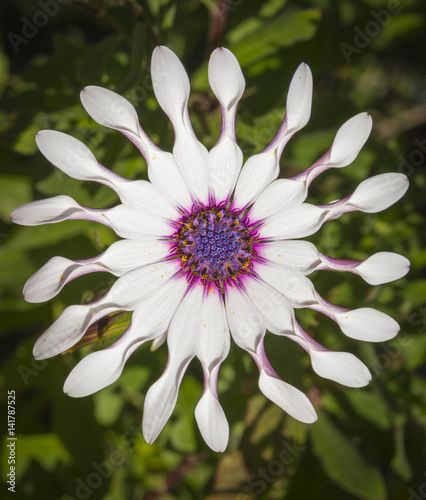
(258,171)
(212,422)
(153,314)
(171,88)
(280,195)
(102,368)
(110,109)
(367,324)
(248,329)
(182,341)
(126,255)
(49,280)
(383,267)
(129,223)
(171,84)
(296,223)
(287,397)
(76,160)
(126,222)
(372,195)
(246,323)
(212,349)
(379,192)
(225,77)
(47,211)
(192,160)
(298,109)
(164,175)
(158,342)
(150,320)
(349,140)
(296,288)
(276,309)
(341,367)
(301,256)
(161,397)
(214,340)
(226,158)
(114,111)
(225,161)
(299,99)
(120,258)
(184,331)
(261,169)
(67,330)
(135,285)
(73,157)
(145,197)
(124,295)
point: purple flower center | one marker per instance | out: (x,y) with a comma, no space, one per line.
(215,244)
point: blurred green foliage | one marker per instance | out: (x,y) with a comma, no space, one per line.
(368,444)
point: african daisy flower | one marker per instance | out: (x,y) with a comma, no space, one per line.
(210,248)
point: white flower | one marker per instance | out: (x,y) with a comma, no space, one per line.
(209,248)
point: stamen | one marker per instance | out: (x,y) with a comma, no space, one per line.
(215,244)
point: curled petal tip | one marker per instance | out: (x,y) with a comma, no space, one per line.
(379,192)
(350,139)
(342,367)
(158,48)
(368,325)
(150,431)
(299,98)
(383,267)
(212,422)
(37,355)
(226,78)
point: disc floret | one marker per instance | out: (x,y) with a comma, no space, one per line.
(215,244)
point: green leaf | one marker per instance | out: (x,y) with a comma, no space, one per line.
(258,40)
(108,406)
(94,65)
(25,143)
(15,269)
(182,435)
(46,449)
(132,382)
(400,462)
(41,236)
(415,292)
(402,24)
(182,430)
(59,183)
(136,59)
(271,8)
(343,463)
(371,407)
(415,346)
(14,191)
